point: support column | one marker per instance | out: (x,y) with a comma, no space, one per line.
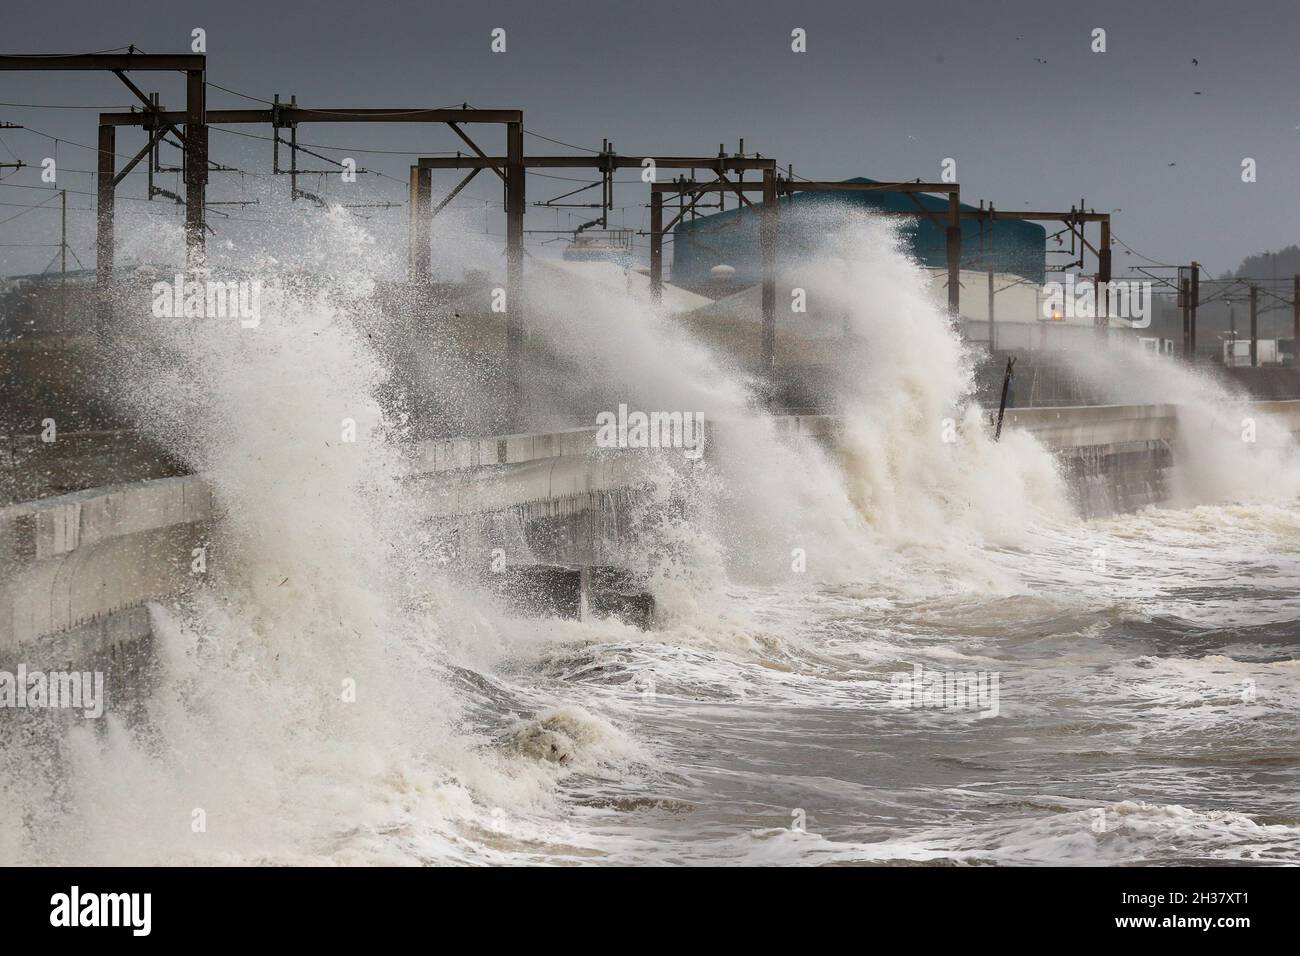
(1185,303)
(1194,303)
(954,256)
(412,201)
(196,167)
(1295,317)
(767,240)
(420,226)
(1254,326)
(105,171)
(1103,280)
(515,268)
(657,245)
(993,341)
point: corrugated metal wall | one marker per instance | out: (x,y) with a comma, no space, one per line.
(731,237)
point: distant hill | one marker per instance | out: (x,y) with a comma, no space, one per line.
(1262,266)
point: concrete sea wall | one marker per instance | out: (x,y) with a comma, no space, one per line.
(77,569)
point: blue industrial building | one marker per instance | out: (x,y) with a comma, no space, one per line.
(731,237)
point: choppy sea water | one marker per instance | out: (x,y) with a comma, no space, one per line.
(329,693)
(1147,713)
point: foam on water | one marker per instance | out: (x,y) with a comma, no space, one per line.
(329,695)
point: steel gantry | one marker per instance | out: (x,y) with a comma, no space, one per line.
(194,141)
(512,168)
(1075,221)
(279,116)
(771,186)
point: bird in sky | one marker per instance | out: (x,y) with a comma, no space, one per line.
(1195,62)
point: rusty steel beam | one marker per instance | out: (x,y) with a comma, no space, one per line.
(104,251)
(515,199)
(767,229)
(107,61)
(193,65)
(1295,315)
(196,165)
(1195,303)
(692,186)
(451,195)
(154,136)
(293,115)
(984,215)
(603,160)
(1067,217)
(1254,326)
(421,221)
(1103,276)
(788,186)
(657,244)
(477,151)
(954,254)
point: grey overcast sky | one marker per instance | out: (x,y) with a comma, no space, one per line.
(885,90)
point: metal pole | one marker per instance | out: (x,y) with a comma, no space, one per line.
(657,245)
(515,266)
(1254,326)
(105,171)
(1184,297)
(954,255)
(1103,279)
(412,240)
(767,240)
(293,153)
(992,331)
(1295,316)
(63,254)
(1002,406)
(1194,303)
(196,166)
(423,225)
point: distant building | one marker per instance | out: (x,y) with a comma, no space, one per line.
(612,245)
(731,238)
